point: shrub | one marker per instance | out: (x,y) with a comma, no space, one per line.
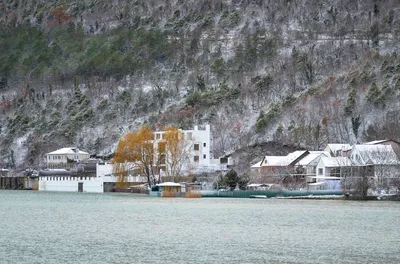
(193,99)
(264,119)
(366,76)
(234,18)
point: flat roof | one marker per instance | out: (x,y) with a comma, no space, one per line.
(171,184)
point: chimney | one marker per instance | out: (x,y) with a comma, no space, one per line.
(196,127)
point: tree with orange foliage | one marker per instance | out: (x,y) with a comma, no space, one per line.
(177,152)
(136,148)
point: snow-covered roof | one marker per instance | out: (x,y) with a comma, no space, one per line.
(257,165)
(338,147)
(377,154)
(275,161)
(279,160)
(172,184)
(313,155)
(65,151)
(377,142)
(332,162)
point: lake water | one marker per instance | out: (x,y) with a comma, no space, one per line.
(40,227)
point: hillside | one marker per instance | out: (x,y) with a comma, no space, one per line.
(296,72)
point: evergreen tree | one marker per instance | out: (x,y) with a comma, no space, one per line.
(351,102)
(231,179)
(373,93)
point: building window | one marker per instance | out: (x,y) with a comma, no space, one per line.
(158,136)
(320,171)
(204,156)
(196,147)
(196,158)
(204,144)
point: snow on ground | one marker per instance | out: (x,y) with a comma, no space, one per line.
(147,88)
(20,150)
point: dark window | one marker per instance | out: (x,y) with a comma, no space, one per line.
(196,158)
(223,160)
(196,147)
(204,156)
(204,144)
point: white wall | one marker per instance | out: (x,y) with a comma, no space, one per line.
(70,184)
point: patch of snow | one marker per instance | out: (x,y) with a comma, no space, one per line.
(20,150)
(147,88)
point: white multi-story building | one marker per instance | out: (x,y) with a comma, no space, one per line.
(197,144)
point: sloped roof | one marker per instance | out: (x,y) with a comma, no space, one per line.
(258,164)
(380,141)
(312,156)
(275,161)
(332,162)
(65,151)
(279,160)
(377,154)
(337,147)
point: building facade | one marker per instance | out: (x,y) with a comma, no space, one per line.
(64,156)
(197,154)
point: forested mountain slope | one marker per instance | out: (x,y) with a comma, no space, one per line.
(297,72)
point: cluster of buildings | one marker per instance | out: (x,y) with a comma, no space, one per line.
(334,168)
(338,166)
(71,169)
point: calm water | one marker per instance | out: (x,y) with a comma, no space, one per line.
(37,227)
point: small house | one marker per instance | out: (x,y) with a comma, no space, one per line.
(330,170)
(380,157)
(63,156)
